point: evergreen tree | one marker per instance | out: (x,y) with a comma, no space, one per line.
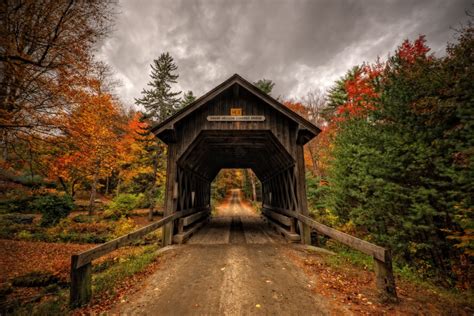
(337,94)
(188,98)
(159,100)
(265,85)
(402,166)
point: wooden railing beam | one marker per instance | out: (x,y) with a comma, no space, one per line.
(382,257)
(81,264)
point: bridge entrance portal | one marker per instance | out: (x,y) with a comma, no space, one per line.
(235,125)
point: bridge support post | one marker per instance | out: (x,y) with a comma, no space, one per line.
(170,193)
(305,230)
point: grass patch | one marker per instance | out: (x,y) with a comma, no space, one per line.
(55,304)
(347,255)
(105,281)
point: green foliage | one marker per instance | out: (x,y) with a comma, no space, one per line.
(121,205)
(113,274)
(337,94)
(17,205)
(403,174)
(123,227)
(53,208)
(35,279)
(265,85)
(316,191)
(24,235)
(70,231)
(188,98)
(159,101)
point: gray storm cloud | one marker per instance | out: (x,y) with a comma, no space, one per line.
(300,45)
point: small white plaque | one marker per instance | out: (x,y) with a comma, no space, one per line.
(230,118)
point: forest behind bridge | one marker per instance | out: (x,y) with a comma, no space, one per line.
(393,164)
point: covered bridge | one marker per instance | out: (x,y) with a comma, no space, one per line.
(235,125)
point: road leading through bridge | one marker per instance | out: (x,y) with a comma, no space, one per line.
(235,265)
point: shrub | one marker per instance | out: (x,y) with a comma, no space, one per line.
(121,205)
(142,201)
(124,226)
(53,208)
(24,235)
(18,205)
(82,219)
(35,279)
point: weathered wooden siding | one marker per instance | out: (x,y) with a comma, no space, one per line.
(189,128)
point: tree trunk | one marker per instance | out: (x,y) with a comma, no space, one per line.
(93,193)
(313,161)
(107,186)
(5,146)
(254,188)
(73,188)
(32,175)
(63,184)
(119,182)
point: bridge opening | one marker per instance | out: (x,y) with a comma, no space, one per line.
(235,192)
(235,126)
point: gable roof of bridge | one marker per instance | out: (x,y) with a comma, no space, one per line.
(310,130)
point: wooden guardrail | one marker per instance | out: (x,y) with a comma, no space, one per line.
(194,221)
(385,280)
(276,220)
(81,263)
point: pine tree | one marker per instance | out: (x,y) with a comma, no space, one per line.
(159,100)
(265,85)
(188,98)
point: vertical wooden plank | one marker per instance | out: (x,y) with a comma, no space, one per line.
(385,280)
(170,200)
(305,230)
(80,292)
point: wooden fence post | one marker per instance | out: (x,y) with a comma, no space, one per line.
(80,292)
(384,278)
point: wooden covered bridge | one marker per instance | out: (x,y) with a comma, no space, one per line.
(235,125)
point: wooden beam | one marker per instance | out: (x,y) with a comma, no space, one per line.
(182,237)
(80,291)
(291,237)
(284,220)
(385,280)
(87,256)
(170,201)
(366,247)
(300,182)
(194,217)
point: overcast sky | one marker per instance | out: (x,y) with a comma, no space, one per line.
(300,45)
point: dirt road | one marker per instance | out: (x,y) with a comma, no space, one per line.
(233,266)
